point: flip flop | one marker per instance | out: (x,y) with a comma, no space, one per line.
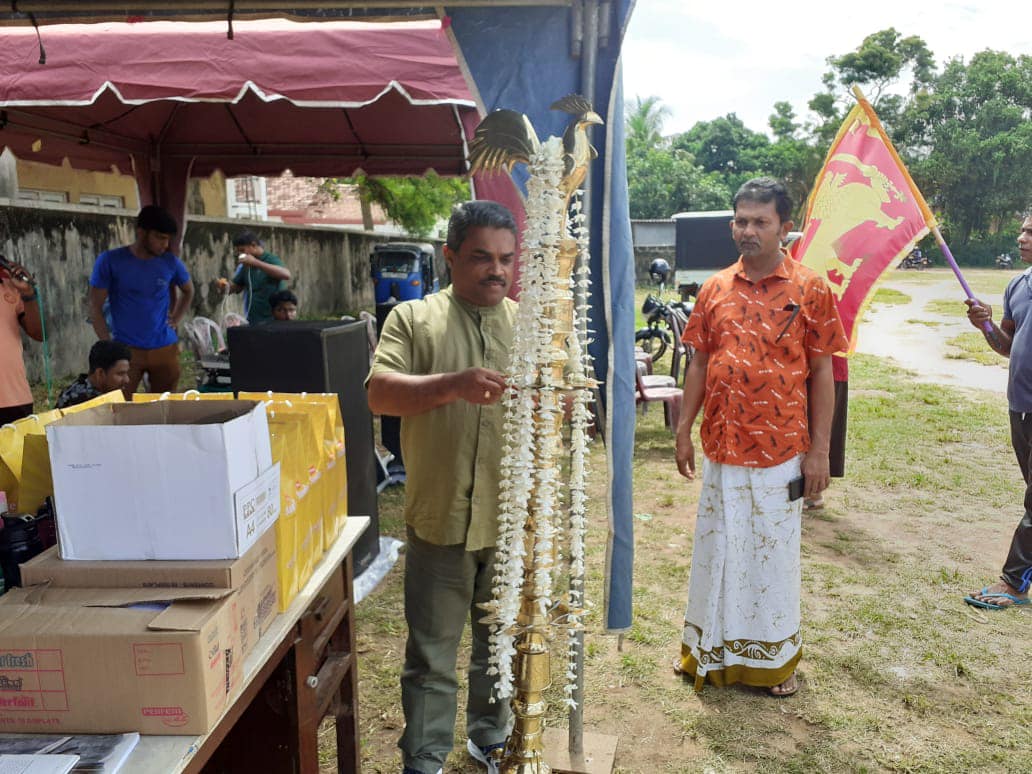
(1015,601)
(786,693)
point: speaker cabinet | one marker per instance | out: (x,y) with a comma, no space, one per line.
(319,356)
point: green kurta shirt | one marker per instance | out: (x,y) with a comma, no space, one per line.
(452,453)
(258,287)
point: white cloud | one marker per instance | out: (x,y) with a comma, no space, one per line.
(705,60)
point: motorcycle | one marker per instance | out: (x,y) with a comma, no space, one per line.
(1004,261)
(916,260)
(664,323)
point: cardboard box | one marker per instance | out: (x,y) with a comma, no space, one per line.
(164,480)
(253,575)
(116,660)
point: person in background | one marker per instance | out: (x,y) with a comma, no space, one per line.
(1012,338)
(284,305)
(140,281)
(109,370)
(839,422)
(259,275)
(19,312)
(760,328)
(439,366)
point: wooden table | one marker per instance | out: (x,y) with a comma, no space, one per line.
(300,670)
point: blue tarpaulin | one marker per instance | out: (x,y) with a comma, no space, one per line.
(521,58)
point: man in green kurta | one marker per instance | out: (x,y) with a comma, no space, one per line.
(258,276)
(439,366)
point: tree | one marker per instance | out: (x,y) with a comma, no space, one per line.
(414,203)
(644,122)
(662,182)
(725,146)
(880,62)
(782,122)
(969,140)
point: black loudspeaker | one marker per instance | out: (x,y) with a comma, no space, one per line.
(317,356)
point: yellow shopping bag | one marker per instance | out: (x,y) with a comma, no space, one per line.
(331,494)
(12,448)
(285,441)
(36,482)
(115,396)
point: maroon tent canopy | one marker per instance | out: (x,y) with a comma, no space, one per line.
(168,100)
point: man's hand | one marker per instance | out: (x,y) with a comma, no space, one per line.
(480,386)
(222,285)
(246,259)
(978,313)
(684,451)
(817,472)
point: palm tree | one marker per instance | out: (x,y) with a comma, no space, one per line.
(645,122)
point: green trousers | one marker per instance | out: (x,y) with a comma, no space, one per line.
(443,586)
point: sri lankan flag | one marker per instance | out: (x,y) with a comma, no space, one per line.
(864,214)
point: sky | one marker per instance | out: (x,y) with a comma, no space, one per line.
(707,59)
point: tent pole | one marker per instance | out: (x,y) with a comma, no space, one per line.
(589,50)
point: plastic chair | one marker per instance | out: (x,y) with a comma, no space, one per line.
(206,336)
(232,320)
(654,380)
(680,350)
(670,397)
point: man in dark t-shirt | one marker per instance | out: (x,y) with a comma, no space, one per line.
(259,274)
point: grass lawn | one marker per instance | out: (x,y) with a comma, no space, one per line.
(898,674)
(972,346)
(890,296)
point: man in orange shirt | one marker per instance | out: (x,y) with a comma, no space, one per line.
(19,311)
(759,328)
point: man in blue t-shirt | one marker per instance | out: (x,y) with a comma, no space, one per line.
(1013,339)
(140,281)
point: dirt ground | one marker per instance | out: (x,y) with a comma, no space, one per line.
(897,674)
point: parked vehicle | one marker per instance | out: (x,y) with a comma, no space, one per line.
(916,260)
(665,321)
(1004,261)
(702,245)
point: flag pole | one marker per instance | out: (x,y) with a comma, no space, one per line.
(926,211)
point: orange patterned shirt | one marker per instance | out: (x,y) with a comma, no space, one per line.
(760,337)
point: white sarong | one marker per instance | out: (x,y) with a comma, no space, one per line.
(742,620)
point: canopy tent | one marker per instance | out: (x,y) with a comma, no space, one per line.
(330,98)
(167,100)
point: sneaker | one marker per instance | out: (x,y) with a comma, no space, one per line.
(490,756)
(814,505)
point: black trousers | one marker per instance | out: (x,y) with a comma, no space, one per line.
(1017,570)
(11,413)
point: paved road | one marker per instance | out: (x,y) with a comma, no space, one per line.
(922,348)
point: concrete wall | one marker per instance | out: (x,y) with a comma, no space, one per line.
(59,245)
(653,233)
(643,256)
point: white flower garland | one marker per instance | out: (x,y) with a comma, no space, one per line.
(531,485)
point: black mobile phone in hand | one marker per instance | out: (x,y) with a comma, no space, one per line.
(795,488)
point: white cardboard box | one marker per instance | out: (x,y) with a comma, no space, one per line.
(163,480)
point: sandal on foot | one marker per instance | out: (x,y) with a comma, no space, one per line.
(985,605)
(783,691)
